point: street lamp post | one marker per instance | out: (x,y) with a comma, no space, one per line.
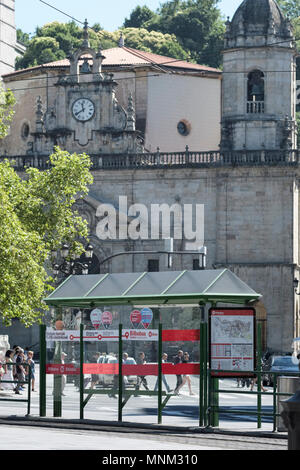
(71,264)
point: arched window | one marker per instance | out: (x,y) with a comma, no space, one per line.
(256,92)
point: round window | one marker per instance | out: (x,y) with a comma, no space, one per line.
(183,127)
(25,131)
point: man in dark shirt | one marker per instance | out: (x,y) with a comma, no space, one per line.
(178,360)
(20,371)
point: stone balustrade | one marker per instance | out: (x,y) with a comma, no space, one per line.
(159,159)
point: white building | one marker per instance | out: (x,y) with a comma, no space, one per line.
(9,47)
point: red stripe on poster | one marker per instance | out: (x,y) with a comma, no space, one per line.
(241,312)
(181,335)
(129,369)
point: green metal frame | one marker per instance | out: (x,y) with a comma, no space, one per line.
(123,395)
(22,382)
(209,390)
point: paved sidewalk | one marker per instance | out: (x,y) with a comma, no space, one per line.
(140,417)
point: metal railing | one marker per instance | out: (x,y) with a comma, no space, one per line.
(16,382)
(214,409)
(164,160)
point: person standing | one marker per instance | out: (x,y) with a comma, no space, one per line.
(20,371)
(178,360)
(163,360)
(31,364)
(8,371)
(141,379)
(64,377)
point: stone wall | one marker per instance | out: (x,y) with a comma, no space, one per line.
(249,227)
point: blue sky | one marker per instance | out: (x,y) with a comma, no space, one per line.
(110,14)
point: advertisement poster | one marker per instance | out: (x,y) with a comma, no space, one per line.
(106,319)
(232,341)
(95,317)
(135,318)
(147,316)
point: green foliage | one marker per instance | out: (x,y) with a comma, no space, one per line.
(138,17)
(197,25)
(143,40)
(23,38)
(7,102)
(36,216)
(52,42)
(181,29)
(290,8)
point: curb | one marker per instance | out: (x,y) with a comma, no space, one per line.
(129,427)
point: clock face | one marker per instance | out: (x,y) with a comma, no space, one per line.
(83,109)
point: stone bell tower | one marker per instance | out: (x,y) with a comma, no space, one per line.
(259,79)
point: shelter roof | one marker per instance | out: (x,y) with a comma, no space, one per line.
(170,287)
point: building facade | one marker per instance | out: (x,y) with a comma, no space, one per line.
(9,47)
(176,104)
(249,186)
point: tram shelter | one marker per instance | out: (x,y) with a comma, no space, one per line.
(154,290)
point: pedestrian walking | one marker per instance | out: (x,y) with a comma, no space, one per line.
(63,377)
(141,379)
(254,382)
(95,377)
(186,378)
(164,380)
(8,371)
(178,360)
(31,364)
(2,362)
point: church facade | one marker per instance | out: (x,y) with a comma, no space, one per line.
(247,182)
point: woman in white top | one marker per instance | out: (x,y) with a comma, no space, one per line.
(8,371)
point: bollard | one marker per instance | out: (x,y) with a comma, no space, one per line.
(291,418)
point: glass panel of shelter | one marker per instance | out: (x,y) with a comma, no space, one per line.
(106,352)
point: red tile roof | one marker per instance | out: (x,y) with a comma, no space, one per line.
(125,56)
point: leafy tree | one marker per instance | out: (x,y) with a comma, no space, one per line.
(197,25)
(138,17)
(40,51)
(22,37)
(7,102)
(37,216)
(148,41)
(181,29)
(290,8)
(54,41)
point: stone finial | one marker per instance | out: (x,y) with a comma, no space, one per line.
(86,38)
(121,40)
(39,115)
(130,114)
